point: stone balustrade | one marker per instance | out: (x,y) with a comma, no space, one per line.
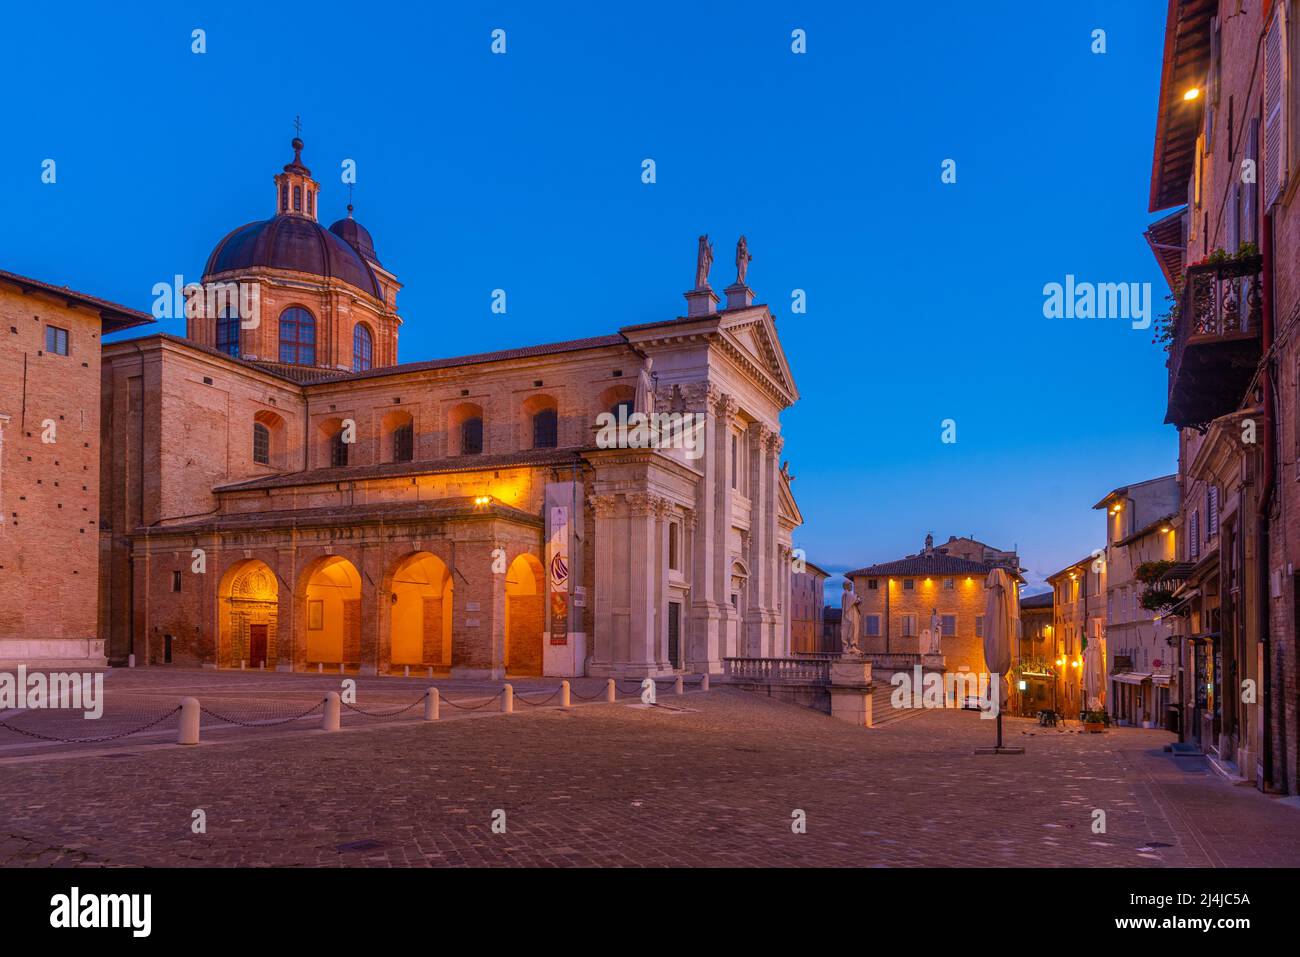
(778,670)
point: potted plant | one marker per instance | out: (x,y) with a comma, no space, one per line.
(1094,722)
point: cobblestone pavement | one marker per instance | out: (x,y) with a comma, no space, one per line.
(701,780)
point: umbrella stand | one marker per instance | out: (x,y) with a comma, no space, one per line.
(999,748)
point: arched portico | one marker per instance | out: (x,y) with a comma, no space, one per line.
(328,612)
(420,599)
(525,613)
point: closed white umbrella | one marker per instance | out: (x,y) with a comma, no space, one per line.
(1094,670)
(1001,614)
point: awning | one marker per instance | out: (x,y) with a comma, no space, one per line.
(1161,680)
(1131,678)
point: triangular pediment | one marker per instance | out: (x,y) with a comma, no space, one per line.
(753,334)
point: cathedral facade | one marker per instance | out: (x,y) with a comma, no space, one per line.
(277,491)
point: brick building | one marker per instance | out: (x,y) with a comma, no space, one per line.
(1225,175)
(900,597)
(49,470)
(1142,653)
(1078,617)
(279,491)
(808,609)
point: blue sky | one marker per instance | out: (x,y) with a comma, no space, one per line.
(522,172)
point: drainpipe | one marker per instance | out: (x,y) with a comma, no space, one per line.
(1265,494)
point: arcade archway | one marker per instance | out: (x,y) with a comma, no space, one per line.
(525,615)
(421,598)
(331,612)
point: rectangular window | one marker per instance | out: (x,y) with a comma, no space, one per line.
(948,625)
(176,581)
(873,584)
(56,340)
(979,626)
(948,584)
(674,562)
(909,584)
(909,626)
(733,461)
(873,626)
(1211,512)
(1194,536)
(404,443)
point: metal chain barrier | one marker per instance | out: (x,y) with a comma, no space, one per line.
(260,722)
(586,697)
(537,704)
(446,700)
(107,737)
(387,714)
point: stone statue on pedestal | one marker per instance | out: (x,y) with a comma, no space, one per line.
(743,259)
(850,621)
(703,262)
(936,634)
(644,400)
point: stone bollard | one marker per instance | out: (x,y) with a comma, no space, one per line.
(430,671)
(333,712)
(320,667)
(704,682)
(432,705)
(406,672)
(678,686)
(242,664)
(564,695)
(130,661)
(610,691)
(341,671)
(507,699)
(189,721)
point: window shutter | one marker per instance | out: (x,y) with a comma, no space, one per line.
(1212,84)
(1250,199)
(1212,512)
(1274,108)
(1194,538)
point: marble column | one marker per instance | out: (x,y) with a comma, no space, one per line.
(728,620)
(772,627)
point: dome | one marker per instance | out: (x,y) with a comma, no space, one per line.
(357,236)
(297,243)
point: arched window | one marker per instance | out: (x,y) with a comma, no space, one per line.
(545,429)
(338,450)
(471,436)
(261,444)
(297,199)
(297,337)
(284,197)
(228,331)
(363,348)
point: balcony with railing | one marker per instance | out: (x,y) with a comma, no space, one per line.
(1215,340)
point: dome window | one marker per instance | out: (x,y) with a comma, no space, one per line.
(297,337)
(363,348)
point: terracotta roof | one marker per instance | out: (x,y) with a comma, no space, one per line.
(459,463)
(936,563)
(1123,490)
(1178,121)
(1165,237)
(114,316)
(330,516)
(526,352)
(1148,529)
(1037,601)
